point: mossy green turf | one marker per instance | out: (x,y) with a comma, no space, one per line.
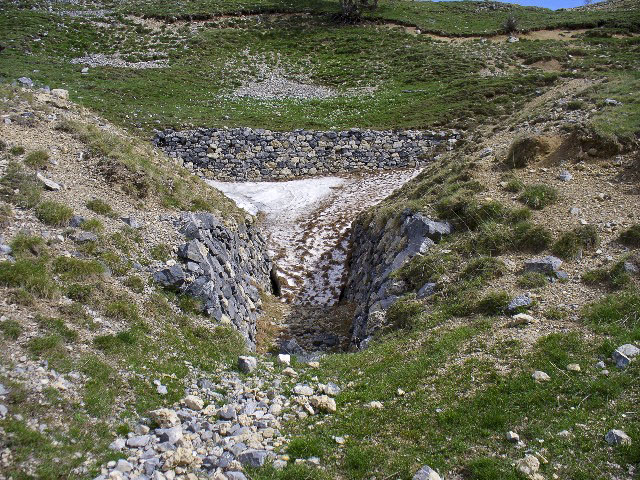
(418,82)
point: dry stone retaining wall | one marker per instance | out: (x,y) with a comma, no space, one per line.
(241,154)
(226,267)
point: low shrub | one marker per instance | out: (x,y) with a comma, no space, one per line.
(538,196)
(92,225)
(54,213)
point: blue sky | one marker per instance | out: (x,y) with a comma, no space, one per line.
(552,4)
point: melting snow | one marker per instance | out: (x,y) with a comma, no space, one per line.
(307,223)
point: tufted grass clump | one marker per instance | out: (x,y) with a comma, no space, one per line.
(24,245)
(616,314)
(101,207)
(497,238)
(93,225)
(57,326)
(571,244)
(160,252)
(528,237)
(404,313)
(532,280)
(38,160)
(426,268)
(19,187)
(135,283)
(614,278)
(29,274)
(631,236)
(538,196)
(493,303)
(525,150)
(54,213)
(483,268)
(17,150)
(11,329)
(75,269)
(123,308)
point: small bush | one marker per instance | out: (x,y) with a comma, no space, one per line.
(17,150)
(38,160)
(101,207)
(538,196)
(631,236)
(11,329)
(493,303)
(75,269)
(54,213)
(532,280)
(19,188)
(483,268)
(571,244)
(510,25)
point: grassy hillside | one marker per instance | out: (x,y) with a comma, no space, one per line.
(378,76)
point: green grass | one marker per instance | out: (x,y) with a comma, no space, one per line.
(101,207)
(532,280)
(11,329)
(32,275)
(613,278)
(75,269)
(160,252)
(16,150)
(54,213)
(631,236)
(571,244)
(493,303)
(24,245)
(538,196)
(19,187)
(93,225)
(38,160)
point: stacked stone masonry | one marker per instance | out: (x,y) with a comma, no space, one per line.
(244,154)
(226,267)
(377,252)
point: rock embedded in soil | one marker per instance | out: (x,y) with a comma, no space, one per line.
(624,354)
(540,376)
(426,473)
(247,364)
(617,437)
(548,265)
